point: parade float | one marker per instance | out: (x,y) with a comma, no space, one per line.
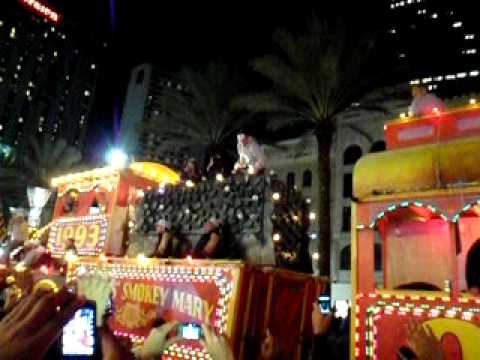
(421,201)
(107,217)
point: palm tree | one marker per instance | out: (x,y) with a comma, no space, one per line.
(315,77)
(40,163)
(47,159)
(202,115)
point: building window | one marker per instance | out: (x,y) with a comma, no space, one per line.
(140,77)
(345,258)
(290,180)
(307,178)
(352,154)
(347,185)
(346,218)
(378,146)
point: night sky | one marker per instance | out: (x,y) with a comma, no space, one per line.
(170,36)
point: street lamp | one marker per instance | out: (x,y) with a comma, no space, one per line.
(117,158)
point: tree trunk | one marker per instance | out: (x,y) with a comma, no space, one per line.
(324,141)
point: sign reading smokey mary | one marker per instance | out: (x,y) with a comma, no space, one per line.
(143,294)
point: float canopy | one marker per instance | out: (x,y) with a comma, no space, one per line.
(158,173)
(420,168)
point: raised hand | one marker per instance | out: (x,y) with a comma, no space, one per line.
(423,342)
(29,330)
(321,323)
(217,346)
(96,289)
(156,342)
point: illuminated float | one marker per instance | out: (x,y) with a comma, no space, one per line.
(97,209)
(421,201)
(94,207)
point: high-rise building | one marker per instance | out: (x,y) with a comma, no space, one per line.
(145,128)
(47,76)
(438,43)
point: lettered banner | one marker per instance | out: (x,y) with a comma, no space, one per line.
(88,232)
(147,292)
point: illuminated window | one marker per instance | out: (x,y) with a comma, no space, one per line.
(469,37)
(86,93)
(469,51)
(13,32)
(457,24)
(20,120)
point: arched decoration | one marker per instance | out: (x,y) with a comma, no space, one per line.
(307,178)
(471,209)
(417,245)
(416,208)
(378,146)
(290,180)
(352,154)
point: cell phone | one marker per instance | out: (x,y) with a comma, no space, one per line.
(191,331)
(79,338)
(324,303)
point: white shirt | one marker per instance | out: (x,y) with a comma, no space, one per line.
(426,105)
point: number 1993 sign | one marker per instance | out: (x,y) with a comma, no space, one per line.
(88,232)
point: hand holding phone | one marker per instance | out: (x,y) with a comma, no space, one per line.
(324,303)
(190,331)
(79,338)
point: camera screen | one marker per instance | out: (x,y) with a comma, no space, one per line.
(324,303)
(79,333)
(191,331)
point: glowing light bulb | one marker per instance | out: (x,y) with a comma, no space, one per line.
(312,216)
(316,256)
(276,237)
(219,177)
(473,101)
(70,256)
(142,259)
(276,196)
(189,184)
